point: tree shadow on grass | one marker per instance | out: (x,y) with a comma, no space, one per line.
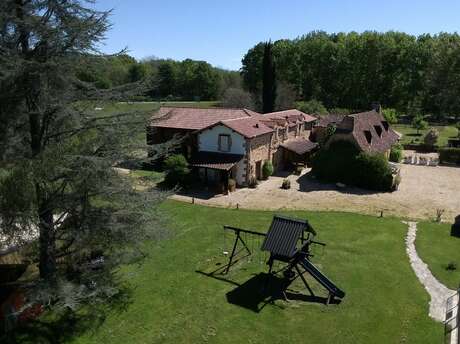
(54,328)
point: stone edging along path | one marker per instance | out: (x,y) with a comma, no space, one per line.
(439,293)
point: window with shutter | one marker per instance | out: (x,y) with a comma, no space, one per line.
(224,143)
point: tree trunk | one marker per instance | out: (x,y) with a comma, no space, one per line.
(47,264)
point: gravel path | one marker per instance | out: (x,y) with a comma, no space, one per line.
(438,292)
(423,190)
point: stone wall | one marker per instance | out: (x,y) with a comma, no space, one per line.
(258,149)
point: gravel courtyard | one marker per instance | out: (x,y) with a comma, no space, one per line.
(423,190)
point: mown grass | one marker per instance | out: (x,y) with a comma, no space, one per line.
(438,248)
(172,303)
(120,107)
(410,135)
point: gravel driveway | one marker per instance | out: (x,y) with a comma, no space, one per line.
(423,190)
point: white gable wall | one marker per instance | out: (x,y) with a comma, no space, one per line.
(208,140)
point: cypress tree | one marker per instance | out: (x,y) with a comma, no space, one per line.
(269,80)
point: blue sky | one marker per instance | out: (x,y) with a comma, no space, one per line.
(221,32)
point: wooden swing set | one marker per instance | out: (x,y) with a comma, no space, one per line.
(288,241)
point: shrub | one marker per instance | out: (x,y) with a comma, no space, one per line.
(431,137)
(313,107)
(373,172)
(327,163)
(390,115)
(439,213)
(286,184)
(452,266)
(342,162)
(449,155)
(340,111)
(267,169)
(237,98)
(396,153)
(419,123)
(176,170)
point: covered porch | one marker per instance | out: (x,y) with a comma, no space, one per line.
(216,169)
(297,152)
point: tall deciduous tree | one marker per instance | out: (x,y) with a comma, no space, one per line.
(419,123)
(269,80)
(57,181)
(351,70)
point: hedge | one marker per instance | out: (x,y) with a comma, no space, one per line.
(449,155)
(343,162)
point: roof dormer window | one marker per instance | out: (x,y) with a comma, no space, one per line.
(378,129)
(368,135)
(385,125)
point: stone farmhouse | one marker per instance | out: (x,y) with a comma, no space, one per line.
(235,143)
(222,144)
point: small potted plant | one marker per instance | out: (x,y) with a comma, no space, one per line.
(286,184)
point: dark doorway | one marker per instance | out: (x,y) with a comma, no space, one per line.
(259,169)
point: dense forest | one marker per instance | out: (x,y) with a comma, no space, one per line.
(165,78)
(351,70)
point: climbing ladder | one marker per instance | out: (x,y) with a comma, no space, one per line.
(452,322)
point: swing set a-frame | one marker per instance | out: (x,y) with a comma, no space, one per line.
(288,241)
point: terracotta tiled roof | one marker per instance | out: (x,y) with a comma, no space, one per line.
(249,127)
(195,118)
(299,145)
(291,116)
(324,121)
(370,130)
(200,118)
(215,161)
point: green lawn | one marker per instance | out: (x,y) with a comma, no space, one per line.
(172,303)
(438,248)
(143,108)
(114,107)
(410,134)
